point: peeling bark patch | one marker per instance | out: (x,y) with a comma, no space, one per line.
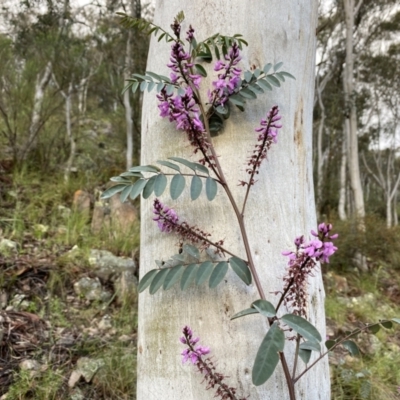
(298,125)
(140,349)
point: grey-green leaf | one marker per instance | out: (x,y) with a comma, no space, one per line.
(158,280)
(267,67)
(267,357)
(247,94)
(256,89)
(247,76)
(200,70)
(305,355)
(284,73)
(147,279)
(247,311)
(302,326)
(236,100)
(187,163)
(211,188)
(265,308)
(177,186)
(204,272)
(241,269)
(273,80)
(188,276)
(113,190)
(191,250)
(277,66)
(149,188)
(310,345)
(218,274)
(330,343)
(145,168)
(397,320)
(160,184)
(125,193)
(137,188)
(173,277)
(169,165)
(264,84)
(351,347)
(120,179)
(195,187)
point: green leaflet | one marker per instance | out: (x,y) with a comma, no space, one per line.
(160,184)
(188,276)
(241,269)
(177,186)
(204,272)
(218,274)
(196,187)
(267,357)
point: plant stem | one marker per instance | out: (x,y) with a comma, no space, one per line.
(239,216)
(296,356)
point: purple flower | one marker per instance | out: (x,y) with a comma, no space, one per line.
(165,217)
(302,263)
(268,132)
(190,34)
(228,79)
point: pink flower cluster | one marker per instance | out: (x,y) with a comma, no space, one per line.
(302,263)
(228,79)
(320,248)
(193,352)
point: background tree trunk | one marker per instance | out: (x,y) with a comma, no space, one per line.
(281,207)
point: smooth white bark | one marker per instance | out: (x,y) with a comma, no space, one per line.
(281,207)
(351,113)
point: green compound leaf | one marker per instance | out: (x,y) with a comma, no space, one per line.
(160,184)
(149,188)
(143,86)
(113,190)
(150,86)
(158,280)
(145,168)
(135,86)
(218,274)
(125,193)
(241,269)
(132,174)
(247,311)
(137,188)
(147,279)
(397,320)
(173,277)
(351,347)
(387,324)
(310,345)
(169,165)
(211,188)
(204,272)
(264,84)
(195,187)
(305,355)
(188,276)
(200,70)
(302,326)
(191,250)
(267,357)
(330,343)
(265,308)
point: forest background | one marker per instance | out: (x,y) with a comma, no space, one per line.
(66,128)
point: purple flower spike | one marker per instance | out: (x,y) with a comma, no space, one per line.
(228,79)
(302,263)
(165,217)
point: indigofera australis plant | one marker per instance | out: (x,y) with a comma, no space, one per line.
(180,101)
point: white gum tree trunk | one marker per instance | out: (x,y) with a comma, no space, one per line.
(281,207)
